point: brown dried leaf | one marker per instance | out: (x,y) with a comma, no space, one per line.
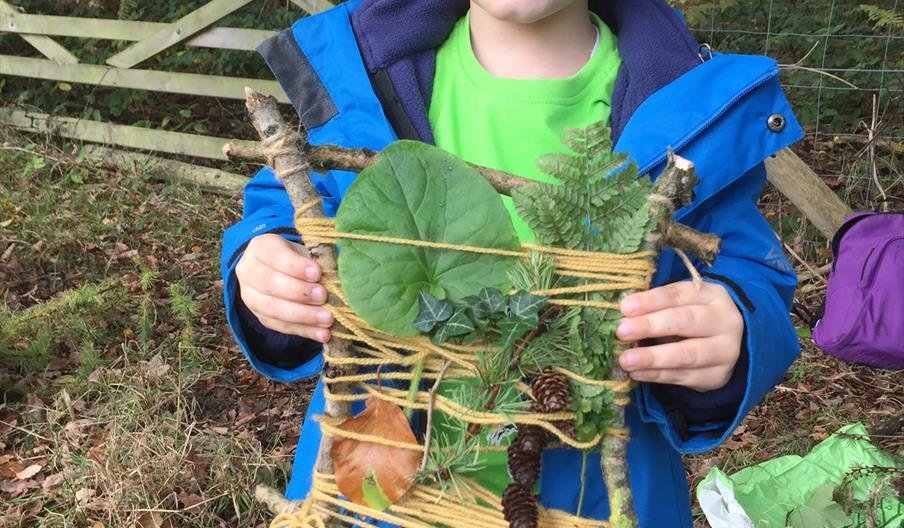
(393,468)
(9,468)
(189,500)
(29,472)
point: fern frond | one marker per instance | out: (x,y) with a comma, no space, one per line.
(882,18)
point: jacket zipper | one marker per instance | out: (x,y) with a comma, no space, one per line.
(759,81)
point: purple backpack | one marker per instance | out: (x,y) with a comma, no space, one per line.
(863,316)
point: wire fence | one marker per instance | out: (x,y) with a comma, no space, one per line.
(836,56)
(842,67)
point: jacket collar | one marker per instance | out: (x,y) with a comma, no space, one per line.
(398,41)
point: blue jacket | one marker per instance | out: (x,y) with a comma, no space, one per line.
(360,75)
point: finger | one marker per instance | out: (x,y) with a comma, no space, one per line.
(698,379)
(263,305)
(289,288)
(321,335)
(285,257)
(684,354)
(686,321)
(668,296)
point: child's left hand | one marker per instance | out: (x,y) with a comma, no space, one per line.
(708,327)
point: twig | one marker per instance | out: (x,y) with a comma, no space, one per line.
(895,147)
(275,501)
(26,431)
(428,436)
(872,151)
(332,157)
(542,326)
(813,271)
(818,273)
(291,168)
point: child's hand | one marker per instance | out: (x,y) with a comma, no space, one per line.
(281,287)
(706,323)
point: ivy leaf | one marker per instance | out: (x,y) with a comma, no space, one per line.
(431,311)
(526,306)
(459,325)
(492,300)
(483,306)
(821,511)
(419,192)
(362,466)
(476,311)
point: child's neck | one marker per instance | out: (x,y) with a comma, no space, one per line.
(554,47)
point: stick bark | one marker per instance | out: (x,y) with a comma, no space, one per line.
(291,168)
(675,184)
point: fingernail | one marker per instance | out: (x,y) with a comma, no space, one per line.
(321,336)
(312,273)
(628,306)
(628,359)
(624,330)
(318,294)
(324,317)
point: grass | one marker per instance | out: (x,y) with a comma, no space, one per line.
(119,379)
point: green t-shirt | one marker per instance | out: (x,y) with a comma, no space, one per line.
(507,124)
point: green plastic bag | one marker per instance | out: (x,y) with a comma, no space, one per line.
(794,491)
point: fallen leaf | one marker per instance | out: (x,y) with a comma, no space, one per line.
(189,500)
(29,472)
(9,468)
(152,520)
(56,480)
(365,468)
(18,487)
(83,496)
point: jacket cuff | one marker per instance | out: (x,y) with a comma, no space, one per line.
(768,340)
(688,409)
(285,351)
(254,342)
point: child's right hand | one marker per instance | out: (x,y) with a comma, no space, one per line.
(281,287)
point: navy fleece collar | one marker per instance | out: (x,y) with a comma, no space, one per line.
(399,38)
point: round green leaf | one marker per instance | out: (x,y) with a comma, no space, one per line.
(419,192)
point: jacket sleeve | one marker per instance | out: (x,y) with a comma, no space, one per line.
(755,272)
(278,356)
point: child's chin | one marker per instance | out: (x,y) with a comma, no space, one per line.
(520,11)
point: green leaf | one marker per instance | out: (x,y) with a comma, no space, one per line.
(373,494)
(419,192)
(431,311)
(821,511)
(492,299)
(458,325)
(526,306)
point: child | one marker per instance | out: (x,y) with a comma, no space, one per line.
(496,82)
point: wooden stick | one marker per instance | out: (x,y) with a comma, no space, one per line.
(291,167)
(428,436)
(673,189)
(331,157)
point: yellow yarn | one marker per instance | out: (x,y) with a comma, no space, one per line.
(428,505)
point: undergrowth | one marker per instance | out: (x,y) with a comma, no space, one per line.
(120,384)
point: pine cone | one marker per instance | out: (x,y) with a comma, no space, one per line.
(519,506)
(551,391)
(530,439)
(568,428)
(523,466)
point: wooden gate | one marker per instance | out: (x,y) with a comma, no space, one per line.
(123,70)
